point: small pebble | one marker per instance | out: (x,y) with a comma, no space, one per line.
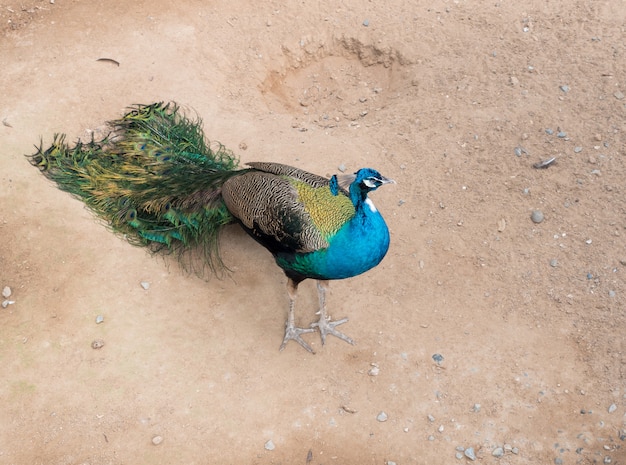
(508,448)
(558,461)
(269,445)
(561,134)
(366,23)
(6,303)
(459,455)
(438,358)
(431,418)
(607,459)
(618,95)
(554,263)
(6,292)
(374,371)
(589,276)
(97,344)
(611,293)
(549,131)
(157,440)
(99,319)
(440,429)
(460,448)
(498,452)
(382,416)
(515,450)
(612,408)
(469,453)
(537,216)
(476,408)
(564,88)
(342,168)
(431,438)
(578,149)
(389,462)
(145,285)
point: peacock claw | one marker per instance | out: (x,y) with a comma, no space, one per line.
(326,326)
(293,333)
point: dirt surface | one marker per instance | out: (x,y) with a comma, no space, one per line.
(455,100)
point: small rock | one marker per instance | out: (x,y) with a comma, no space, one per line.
(469,453)
(269,445)
(374,371)
(156,440)
(618,95)
(97,344)
(459,455)
(145,285)
(6,303)
(382,417)
(558,461)
(578,149)
(537,216)
(431,438)
(498,452)
(508,448)
(607,459)
(342,168)
(564,88)
(431,418)
(519,151)
(549,131)
(366,22)
(389,462)
(476,408)
(438,358)
(99,319)
(611,294)
(561,134)
(514,81)
(554,263)
(612,408)
(6,292)
(440,429)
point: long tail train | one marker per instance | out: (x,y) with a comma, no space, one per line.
(154,179)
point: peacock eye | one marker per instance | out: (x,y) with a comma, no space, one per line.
(370,183)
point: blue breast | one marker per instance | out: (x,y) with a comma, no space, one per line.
(357,247)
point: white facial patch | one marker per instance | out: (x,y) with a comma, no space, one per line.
(369,183)
(370,204)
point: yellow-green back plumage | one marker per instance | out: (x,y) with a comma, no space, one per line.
(328,212)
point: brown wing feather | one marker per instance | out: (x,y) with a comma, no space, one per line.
(279,169)
(267,205)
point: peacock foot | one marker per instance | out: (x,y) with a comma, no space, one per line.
(292,333)
(326,326)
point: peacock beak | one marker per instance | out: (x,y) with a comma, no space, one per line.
(384,180)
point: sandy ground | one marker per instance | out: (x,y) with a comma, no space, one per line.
(529,318)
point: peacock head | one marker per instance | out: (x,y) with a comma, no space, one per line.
(365,180)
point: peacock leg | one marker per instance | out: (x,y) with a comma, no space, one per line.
(325,325)
(291,331)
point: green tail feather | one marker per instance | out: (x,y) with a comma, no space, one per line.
(153,179)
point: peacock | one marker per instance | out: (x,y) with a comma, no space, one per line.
(155,179)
